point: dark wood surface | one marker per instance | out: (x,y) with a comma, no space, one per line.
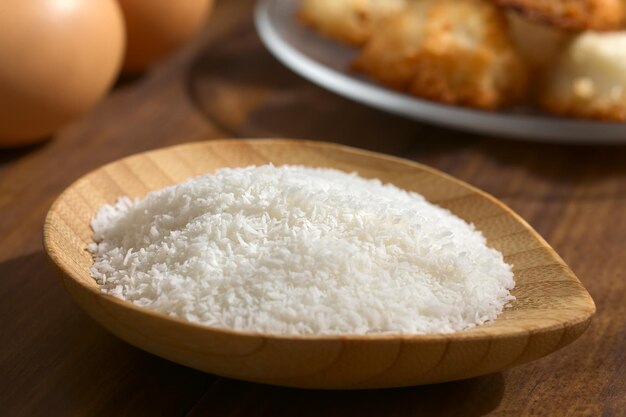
(54,360)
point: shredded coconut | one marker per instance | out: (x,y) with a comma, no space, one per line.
(294,250)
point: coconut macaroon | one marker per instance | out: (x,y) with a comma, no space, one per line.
(350,21)
(452,51)
(572,14)
(589,79)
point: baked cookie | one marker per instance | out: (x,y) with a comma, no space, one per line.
(452,51)
(589,78)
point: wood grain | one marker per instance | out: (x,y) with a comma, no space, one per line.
(54,360)
(551,308)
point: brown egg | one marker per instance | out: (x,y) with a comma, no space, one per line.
(59,57)
(155,28)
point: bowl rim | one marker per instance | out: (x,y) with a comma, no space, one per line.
(484,331)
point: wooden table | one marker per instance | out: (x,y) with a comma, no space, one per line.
(54,360)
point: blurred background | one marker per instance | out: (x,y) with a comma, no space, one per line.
(83,83)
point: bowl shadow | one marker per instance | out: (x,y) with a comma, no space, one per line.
(469,398)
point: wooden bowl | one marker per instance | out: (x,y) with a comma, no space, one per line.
(551,310)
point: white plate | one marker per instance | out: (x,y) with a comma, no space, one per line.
(326,63)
